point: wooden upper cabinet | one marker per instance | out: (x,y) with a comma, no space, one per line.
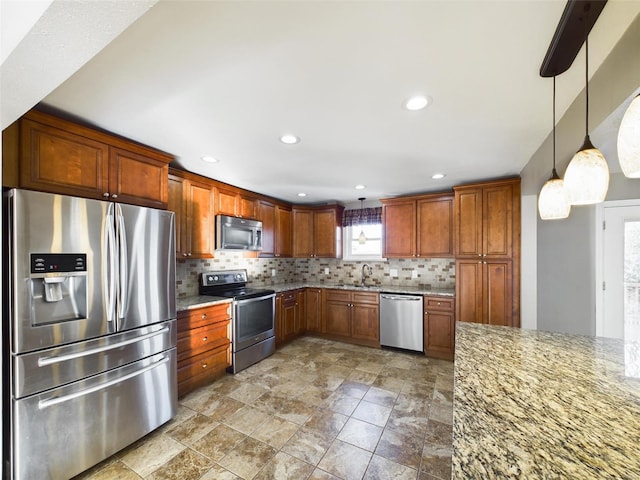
(59,156)
(192,202)
(267,215)
(247,206)
(484,219)
(418,226)
(317,232)
(283,232)
(226,201)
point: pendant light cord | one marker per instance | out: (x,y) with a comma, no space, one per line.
(586,73)
(554,127)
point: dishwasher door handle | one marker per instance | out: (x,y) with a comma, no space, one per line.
(402,297)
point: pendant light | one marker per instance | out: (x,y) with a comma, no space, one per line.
(586,180)
(362,238)
(629,140)
(552,201)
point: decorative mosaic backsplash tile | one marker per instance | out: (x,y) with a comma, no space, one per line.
(430,272)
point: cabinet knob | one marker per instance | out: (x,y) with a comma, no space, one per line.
(189,254)
(184,254)
(204,315)
(418,255)
(204,339)
(105,194)
(479,261)
(479,254)
(114,195)
(204,365)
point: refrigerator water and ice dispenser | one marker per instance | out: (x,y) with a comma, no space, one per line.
(58,287)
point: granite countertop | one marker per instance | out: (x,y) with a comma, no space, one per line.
(198,301)
(540,405)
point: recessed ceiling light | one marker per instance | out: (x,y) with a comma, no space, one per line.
(417,102)
(209,159)
(302,194)
(438,176)
(360,187)
(289,139)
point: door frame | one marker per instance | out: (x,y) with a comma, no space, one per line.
(599,245)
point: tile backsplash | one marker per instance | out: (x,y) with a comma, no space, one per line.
(430,272)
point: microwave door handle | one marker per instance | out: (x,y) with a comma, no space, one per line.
(108,264)
(123,274)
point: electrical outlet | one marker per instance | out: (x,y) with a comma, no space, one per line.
(326,270)
(273,272)
(414,274)
(393,272)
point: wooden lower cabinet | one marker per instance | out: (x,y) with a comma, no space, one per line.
(313,309)
(289,319)
(352,316)
(204,346)
(439,327)
(484,292)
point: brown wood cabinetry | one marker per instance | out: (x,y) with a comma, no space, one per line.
(313,309)
(283,240)
(418,226)
(317,232)
(59,156)
(235,202)
(353,316)
(192,202)
(439,327)
(276,229)
(487,244)
(290,312)
(301,314)
(203,346)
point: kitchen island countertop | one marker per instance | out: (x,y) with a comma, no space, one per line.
(538,405)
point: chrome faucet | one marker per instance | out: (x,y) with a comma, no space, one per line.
(366,272)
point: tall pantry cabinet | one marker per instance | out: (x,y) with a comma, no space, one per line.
(487,249)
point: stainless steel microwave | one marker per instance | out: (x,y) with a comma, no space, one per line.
(234,233)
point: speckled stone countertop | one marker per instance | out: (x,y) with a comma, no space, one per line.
(198,301)
(445,292)
(540,405)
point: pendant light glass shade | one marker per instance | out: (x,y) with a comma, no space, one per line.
(586,180)
(629,140)
(362,238)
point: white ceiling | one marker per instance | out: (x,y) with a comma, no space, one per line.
(227,78)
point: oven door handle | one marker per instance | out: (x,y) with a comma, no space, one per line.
(251,300)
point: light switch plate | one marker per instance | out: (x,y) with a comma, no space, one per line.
(273,272)
(414,274)
(393,272)
(326,270)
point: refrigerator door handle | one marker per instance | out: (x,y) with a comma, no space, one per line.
(123,254)
(49,402)
(109,265)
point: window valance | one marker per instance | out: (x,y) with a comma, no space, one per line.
(362,216)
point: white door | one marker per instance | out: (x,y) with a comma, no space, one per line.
(621,271)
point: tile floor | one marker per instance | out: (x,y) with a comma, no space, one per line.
(314,410)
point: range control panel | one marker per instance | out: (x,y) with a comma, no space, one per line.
(58,262)
(227,277)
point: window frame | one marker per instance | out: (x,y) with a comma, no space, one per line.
(347,237)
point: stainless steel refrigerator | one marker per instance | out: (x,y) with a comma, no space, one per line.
(89,314)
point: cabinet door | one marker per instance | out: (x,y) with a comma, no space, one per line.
(283,232)
(435,227)
(313,301)
(338,318)
(247,206)
(226,201)
(399,227)
(176,204)
(302,233)
(56,161)
(278,326)
(497,293)
(200,220)
(289,311)
(301,314)
(325,234)
(365,322)
(439,334)
(469,280)
(267,215)
(137,179)
(468,222)
(497,226)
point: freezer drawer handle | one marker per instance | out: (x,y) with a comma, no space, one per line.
(42,404)
(407,298)
(44,361)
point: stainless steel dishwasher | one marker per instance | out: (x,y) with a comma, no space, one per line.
(401,321)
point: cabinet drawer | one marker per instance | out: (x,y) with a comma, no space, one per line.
(198,317)
(338,296)
(204,365)
(366,297)
(289,297)
(438,303)
(198,340)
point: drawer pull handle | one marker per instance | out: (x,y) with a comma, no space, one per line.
(204,365)
(204,315)
(205,339)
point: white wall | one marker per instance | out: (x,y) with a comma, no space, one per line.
(528,265)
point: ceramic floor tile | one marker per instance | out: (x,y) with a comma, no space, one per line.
(441,413)
(222,407)
(380,468)
(218,473)
(308,445)
(400,448)
(380,396)
(247,392)
(248,457)
(361,434)
(113,470)
(353,389)
(226,385)
(246,419)
(295,411)
(284,467)
(319,474)
(372,413)
(270,402)
(341,403)
(361,376)
(184,413)
(199,399)
(407,423)
(218,442)
(275,432)
(414,405)
(326,421)
(187,465)
(436,460)
(418,389)
(389,383)
(153,453)
(439,433)
(192,429)
(345,461)
(329,382)
(314,395)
